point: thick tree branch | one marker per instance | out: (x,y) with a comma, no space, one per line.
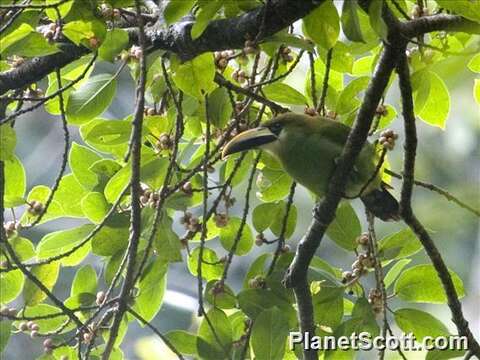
(221,34)
(325,211)
(135,190)
(406,206)
(439,22)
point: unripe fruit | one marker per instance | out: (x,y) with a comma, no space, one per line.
(23,326)
(35,327)
(285,248)
(34,334)
(30,324)
(87,337)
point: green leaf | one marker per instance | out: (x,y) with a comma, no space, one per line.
(8,140)
(59,242)
(273,184)
(278,219)
(91,99)
(113,237)
(476,91)
(79,31)
(228,235)
(474,63)
(254,301)
(350,21)
(347,101)
(63,9)
(219,107)
(437,107)
(222,298)
(345,228)
(420,323)
(176,9)
(166,242)
(394,271)
(328,306)
(195,77)
(25,41)
(269,334)
(262,216)
(184,342)
(95,207)
(49,324)
(466,8)
(85,281)
(115,41)
(214,345)
(47,275)
(399,245)
(5,329)
(207,12)
(151,288)
(284,93)
(322,25)
(422,284)
(11,284)
(376,19)
(80,159)
(15,182)
(109,132)
(212,269)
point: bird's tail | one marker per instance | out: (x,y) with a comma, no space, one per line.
(382,204)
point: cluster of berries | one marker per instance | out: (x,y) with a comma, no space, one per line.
(51,32)
(164,142)
(285,55)
(149,111)
(375,299)
(32,327)
(387,139)
(11,227)
(362,263)
(239,76)
(149,197)
(35,208)
(222,58)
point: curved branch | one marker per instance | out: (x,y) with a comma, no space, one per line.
(220,34)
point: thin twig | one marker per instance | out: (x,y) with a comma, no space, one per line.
(157,332)
(438,190)
(321,104)
(135,213)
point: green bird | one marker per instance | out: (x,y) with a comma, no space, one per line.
(308,148)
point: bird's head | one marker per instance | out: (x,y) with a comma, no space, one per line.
(268,136)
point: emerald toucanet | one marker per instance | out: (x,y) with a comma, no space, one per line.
(308,148)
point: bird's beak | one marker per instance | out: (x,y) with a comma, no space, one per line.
(249,139)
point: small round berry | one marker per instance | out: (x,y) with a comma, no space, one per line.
(363,239)
(259,239)
(87,337)
(285,248)
(4,311)
(30,324)
(221,220)
(35,327)
(48,343)
(34,334)
(222,63)
(100,298)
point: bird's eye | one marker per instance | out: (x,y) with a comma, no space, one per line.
(275,128)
